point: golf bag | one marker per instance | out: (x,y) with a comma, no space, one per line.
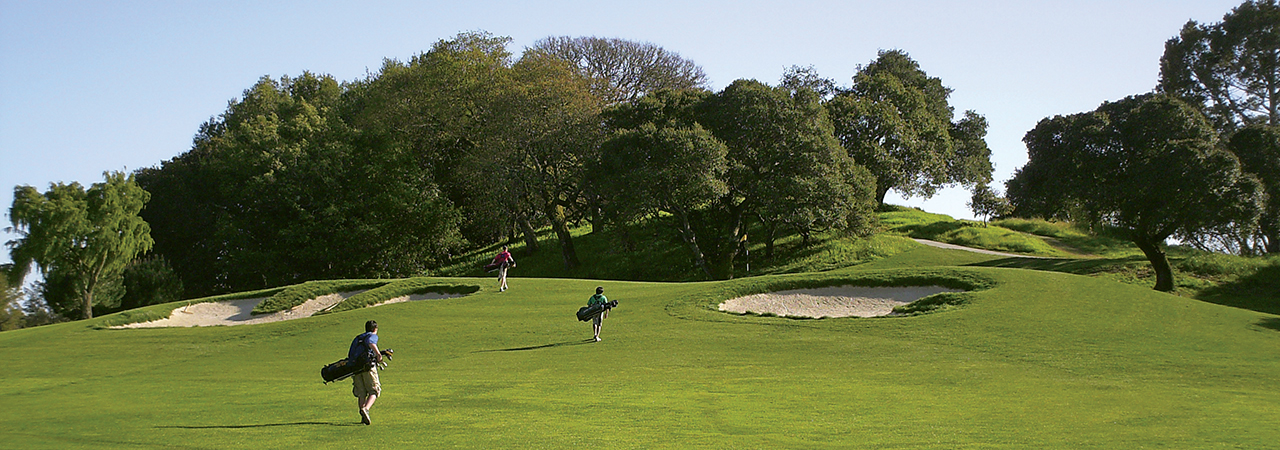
(344,368)
(586,313)
(494,266)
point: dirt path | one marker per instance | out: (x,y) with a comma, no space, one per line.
(971,249)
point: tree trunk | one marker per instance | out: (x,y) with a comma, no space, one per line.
(722,268)
(1159,262)
(530,235)
(770,235)
(88,294)
(624,236)
(881,192)
(691,239)
(1270,236)
(561,226)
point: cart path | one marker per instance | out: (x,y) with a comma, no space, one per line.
(975,250)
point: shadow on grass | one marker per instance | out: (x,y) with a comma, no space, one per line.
(933,229)
(1270,322)
(1076,266)
(537,347)
(1258,292)
(261,425)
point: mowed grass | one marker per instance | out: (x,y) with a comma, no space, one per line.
(1032,360)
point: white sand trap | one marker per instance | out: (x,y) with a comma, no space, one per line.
(237,312)
(841,301)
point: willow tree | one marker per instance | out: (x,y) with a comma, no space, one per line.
(86,237)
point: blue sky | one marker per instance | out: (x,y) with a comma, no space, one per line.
(89,86)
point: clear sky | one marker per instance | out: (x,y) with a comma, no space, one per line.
(94,86)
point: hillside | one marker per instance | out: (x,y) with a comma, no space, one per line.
(1250,283)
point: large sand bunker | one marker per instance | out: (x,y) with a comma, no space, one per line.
(840,301)
(237,312)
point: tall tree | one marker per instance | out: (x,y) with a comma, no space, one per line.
(896,121)
(542,130)
(675,170)
(1148,164)
(1230,68)
(429,113)
(289,191)
(623,70)
(987,203)
(1258,148)
(784,164)
(84,237)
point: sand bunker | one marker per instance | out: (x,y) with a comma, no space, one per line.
(237,312)
(841,301)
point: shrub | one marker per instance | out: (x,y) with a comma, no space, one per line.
(1221,265)
(150,281)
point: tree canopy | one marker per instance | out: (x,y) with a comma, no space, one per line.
(1231,71)
(282,189)
(1258,148)
(1230,68)
(895,120)
(718,163)
(1150,165)
(623,70)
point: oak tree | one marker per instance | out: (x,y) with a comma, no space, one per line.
(896,121)
(1149,165)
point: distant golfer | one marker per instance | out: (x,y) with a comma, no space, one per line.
(365,385)
(503,261)
(598,299)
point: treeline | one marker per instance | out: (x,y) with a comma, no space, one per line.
(310,178)
(466,144)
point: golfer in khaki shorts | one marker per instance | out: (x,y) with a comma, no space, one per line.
(365,385)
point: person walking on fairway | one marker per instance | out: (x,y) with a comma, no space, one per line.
(598,299)
(503,260)
(365,385)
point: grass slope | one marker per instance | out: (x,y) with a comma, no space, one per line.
(1034,359)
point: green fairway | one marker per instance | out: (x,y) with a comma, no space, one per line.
(1031,359)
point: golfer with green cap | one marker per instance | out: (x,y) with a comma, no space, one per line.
(598,299)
